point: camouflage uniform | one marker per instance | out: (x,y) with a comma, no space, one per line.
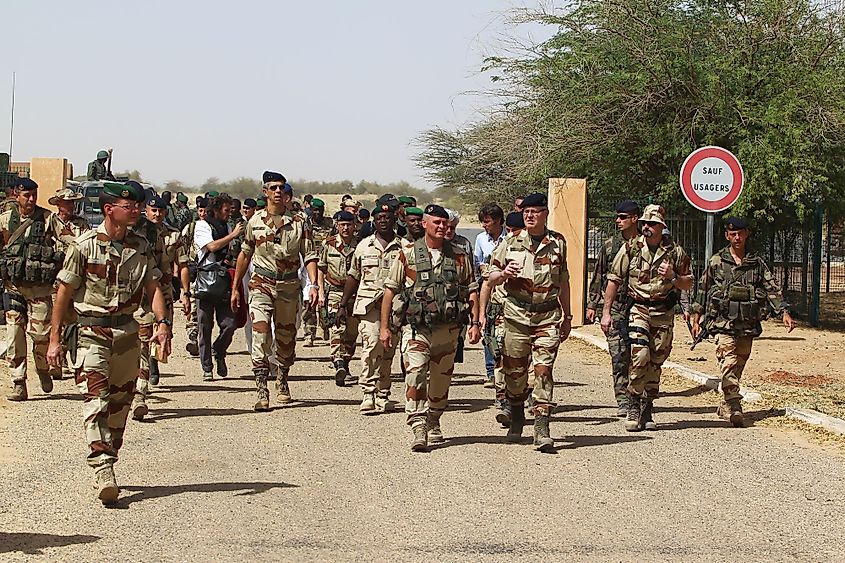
(495,330)
(734,336)
(652,316)
(335,262)
(370,266)
(275,243)
(97,171)
(320,232)
(108,279)
(532,313)
(617,337)
(30,303)
(191,322)
(429,348)
(168,249)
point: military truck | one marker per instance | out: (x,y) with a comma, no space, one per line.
(89,206)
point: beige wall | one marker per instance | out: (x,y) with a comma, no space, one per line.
(51,175)
(568,216)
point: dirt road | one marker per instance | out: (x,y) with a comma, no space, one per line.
(207,479)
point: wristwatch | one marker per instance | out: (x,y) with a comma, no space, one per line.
(568,317)
(166,322)
(187,294)
(475,323)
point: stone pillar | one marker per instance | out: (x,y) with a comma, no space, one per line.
(568,216)
(51,176)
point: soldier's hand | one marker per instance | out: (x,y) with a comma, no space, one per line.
(665,270)
(55,354)
(696,329)
(239,227)
(313,297)
(235,301)
(511,270)
(164,338)
(591,316)
(788,322)
(564,329)
(474,334)
(340,318)
(321,298)
(385,337)
(186,305)
(483,321)
(606,322)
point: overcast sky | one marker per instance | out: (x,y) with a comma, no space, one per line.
(188,90)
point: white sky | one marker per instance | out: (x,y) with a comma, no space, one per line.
(188,90)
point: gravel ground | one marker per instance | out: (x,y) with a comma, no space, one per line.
(206,478)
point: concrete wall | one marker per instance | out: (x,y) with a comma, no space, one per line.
(51,176)
(568,216)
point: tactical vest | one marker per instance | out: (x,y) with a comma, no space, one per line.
(32,257)
(736,299)
(435,298)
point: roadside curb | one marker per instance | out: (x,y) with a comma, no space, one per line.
(699,377)
(810,416)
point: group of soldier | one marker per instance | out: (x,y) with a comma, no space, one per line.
(102,302)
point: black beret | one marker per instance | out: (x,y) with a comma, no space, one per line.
(628,206)
(514,220)
(157,202)
(535,200)
(131,191)
(287,188)
(269,176)
(436,211)
(364,213)
(249,202)
(384,198)
(25,184)
(202,202)
(735,223)
(344,216)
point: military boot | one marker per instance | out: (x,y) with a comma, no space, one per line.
(368,404)
(632,421)
(18,392)
(340,373)
(282,387)
(350,379)
(542,439)
(106,484)
(192,347)
(503,417)
(46,381)
(735,414)
(420,443)
(646,411)
(435,434)
(516,422)
(155,374)
(139,408)
(382,404)
(263,402)
(56,374)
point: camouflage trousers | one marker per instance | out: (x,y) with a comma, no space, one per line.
(106,368)
(275,304)
(35,322)
(146,329)
(376,361)
(522,347)
(732,352)
(620,359)
(191,320)
(429,354)
(309,322)
(650,335)
(343,338)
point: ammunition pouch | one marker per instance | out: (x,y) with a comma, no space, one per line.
(435,299)
(740,293)
(30,259)
(70,339)
(14,302)
(744,311)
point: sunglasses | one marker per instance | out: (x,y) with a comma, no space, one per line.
(623,216)
(652,223)
(275,188)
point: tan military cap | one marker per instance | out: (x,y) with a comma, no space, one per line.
(65,194)
(654,214)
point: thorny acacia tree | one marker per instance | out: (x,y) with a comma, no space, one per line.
(625,89)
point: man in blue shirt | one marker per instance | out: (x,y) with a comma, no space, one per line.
(493,220)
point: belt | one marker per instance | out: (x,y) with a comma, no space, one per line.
(111,322)
(544,307)
(263,272)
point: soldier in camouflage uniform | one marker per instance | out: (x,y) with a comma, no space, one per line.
(97,169)
(365,287)
(656,270)
(170,255)
(321,228)
(333,265)
(104,278)
(276,241)
(413,223)
(627,214)
(532,267)
(182,215)
(735,285)
(29,266)
(436,282)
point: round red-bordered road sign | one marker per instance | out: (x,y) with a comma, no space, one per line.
(712,179)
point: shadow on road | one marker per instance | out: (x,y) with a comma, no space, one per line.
(202,387)
(296,404)
(32,544)
(691,392)
(246,489)
(167,414)
(571,442)
(57,397)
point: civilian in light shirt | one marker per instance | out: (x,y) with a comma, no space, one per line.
(493,220)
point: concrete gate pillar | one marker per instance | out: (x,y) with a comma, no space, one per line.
(568,216)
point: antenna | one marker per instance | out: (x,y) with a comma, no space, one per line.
(12,126)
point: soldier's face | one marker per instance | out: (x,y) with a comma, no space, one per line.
(451,228)
(249,212)
(345,229)
(625,221)
(435,227)
(65,208)
(155,215)
(124,213)
(26,200)
(535,216)
(274,192)
(737,238)
(384,222)
(317,213)
(652,230)
(414,224)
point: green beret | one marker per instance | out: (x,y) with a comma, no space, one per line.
(182,198)
(407,199)
(318,203)
(413,211)
(260,203)
(123,191)
(212,193)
